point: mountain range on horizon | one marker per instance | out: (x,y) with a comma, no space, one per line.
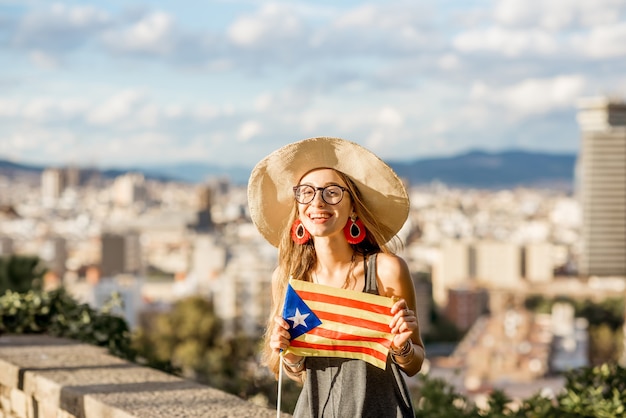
(472,169)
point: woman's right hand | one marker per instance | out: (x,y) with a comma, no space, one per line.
(279,339)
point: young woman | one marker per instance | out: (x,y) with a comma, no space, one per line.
(333,208)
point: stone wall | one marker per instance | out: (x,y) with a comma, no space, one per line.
(45,377)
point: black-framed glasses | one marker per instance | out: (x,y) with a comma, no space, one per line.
(331,194)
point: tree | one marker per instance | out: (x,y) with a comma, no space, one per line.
(499,404)
(187,336)
(20,273)
(190,337)
(594,392)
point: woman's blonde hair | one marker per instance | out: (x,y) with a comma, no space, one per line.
(297,261)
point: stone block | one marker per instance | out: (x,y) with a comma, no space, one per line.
(18,403)
(62,378)
(64,414)
(5,406)
(9,373)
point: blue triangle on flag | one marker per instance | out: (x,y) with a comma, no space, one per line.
(298,314)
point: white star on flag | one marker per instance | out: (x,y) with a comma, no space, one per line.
(299,319)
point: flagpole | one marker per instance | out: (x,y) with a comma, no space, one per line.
(280,385)
(280,365)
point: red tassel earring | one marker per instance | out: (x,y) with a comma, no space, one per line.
(299,234)
(354,230)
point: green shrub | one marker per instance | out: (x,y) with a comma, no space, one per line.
(56,313)
(20,273)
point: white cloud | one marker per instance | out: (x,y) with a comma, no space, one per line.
(363,16)
(508,42)
(33,140)
(377,30)
(287,100)
(394,16)
(79,16)
(59,27)
(594,13)
(557,15)
(603,42)
(449,62)
(43,109)
(274,21)
(44,60)
(264,102)
(9,108)
(205,111)
(572,28)
(150,140)
(154,33)
(518,13)
(116,108)
(374,72)
(173,111)
(248,130)
(390,117)
(149,115)
(38,109)
(533,96)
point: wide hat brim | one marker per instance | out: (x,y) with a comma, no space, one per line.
(270,187)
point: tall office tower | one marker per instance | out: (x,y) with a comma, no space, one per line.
(52,184)
(121,253)
(602,187)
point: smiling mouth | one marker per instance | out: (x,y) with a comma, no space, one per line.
(319,216)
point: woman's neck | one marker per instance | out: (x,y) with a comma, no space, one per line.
(335,262)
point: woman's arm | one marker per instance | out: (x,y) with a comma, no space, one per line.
(394,280)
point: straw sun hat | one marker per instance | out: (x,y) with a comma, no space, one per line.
(270,188)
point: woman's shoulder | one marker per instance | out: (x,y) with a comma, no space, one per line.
(393,274)
(390,261)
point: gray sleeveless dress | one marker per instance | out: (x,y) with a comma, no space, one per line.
(347,388)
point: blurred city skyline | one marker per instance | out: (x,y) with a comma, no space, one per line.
(120,83)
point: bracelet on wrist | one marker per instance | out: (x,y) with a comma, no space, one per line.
(403,351)
(294,366)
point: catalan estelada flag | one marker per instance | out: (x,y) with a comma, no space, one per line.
(330,322)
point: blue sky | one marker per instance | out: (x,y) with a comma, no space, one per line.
(114,83)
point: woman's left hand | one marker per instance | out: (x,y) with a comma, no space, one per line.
(403,323)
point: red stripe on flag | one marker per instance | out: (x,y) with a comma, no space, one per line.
(351,320)
(338,348)
(337,300)
(337,335)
